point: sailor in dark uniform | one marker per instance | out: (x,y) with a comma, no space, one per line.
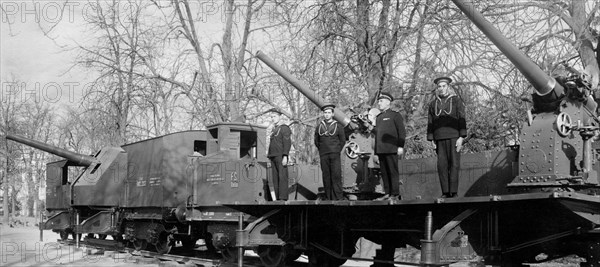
(389,144)
(330,139)
(279,149)
(447,127)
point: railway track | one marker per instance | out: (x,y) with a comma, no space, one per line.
(199,257)
(178,255)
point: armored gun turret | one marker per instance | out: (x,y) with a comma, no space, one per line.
(550,155)
(76,205)
(74,158)
(106,170)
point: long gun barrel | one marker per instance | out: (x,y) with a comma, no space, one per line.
(303,88)
(543,83)
(81,160)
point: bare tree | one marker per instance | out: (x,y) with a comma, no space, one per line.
(11,105)
(115,56)
(85,131)
(203,86)
(25,166)
(158,63)
(578,32)
(37,124)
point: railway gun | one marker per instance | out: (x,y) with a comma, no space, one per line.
(540,197)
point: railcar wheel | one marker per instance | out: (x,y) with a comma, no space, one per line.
(117,237)
(189,242)
(230,254)
(101,236)
(164,243)
(317,258)
(277,255)
(76,236)
(140,244)
(63,235)
(209,244)
(292,255)
(272,256)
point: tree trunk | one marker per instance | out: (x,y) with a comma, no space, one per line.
(363,41)
(419,100)
(13,202)
(30,211)
(205,82)
(36,203)
(581,27)
(228,66)
(5,192)
(5,181)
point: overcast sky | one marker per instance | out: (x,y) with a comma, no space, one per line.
(44,63)
(40,62)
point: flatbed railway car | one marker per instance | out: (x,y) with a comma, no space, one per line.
(494,220)
(504,229)
(542,196)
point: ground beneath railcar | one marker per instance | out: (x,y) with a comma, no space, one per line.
(20,246)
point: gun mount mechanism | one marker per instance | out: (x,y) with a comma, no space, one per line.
(358,149)
(303,88)
(361,123)
(550,154)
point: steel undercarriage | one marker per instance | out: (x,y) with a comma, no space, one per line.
(500,229)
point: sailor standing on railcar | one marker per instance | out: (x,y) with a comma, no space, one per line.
(330,139)
(279,149)
(447,127)
(389,144)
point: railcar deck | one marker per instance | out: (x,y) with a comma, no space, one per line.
(560,196)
